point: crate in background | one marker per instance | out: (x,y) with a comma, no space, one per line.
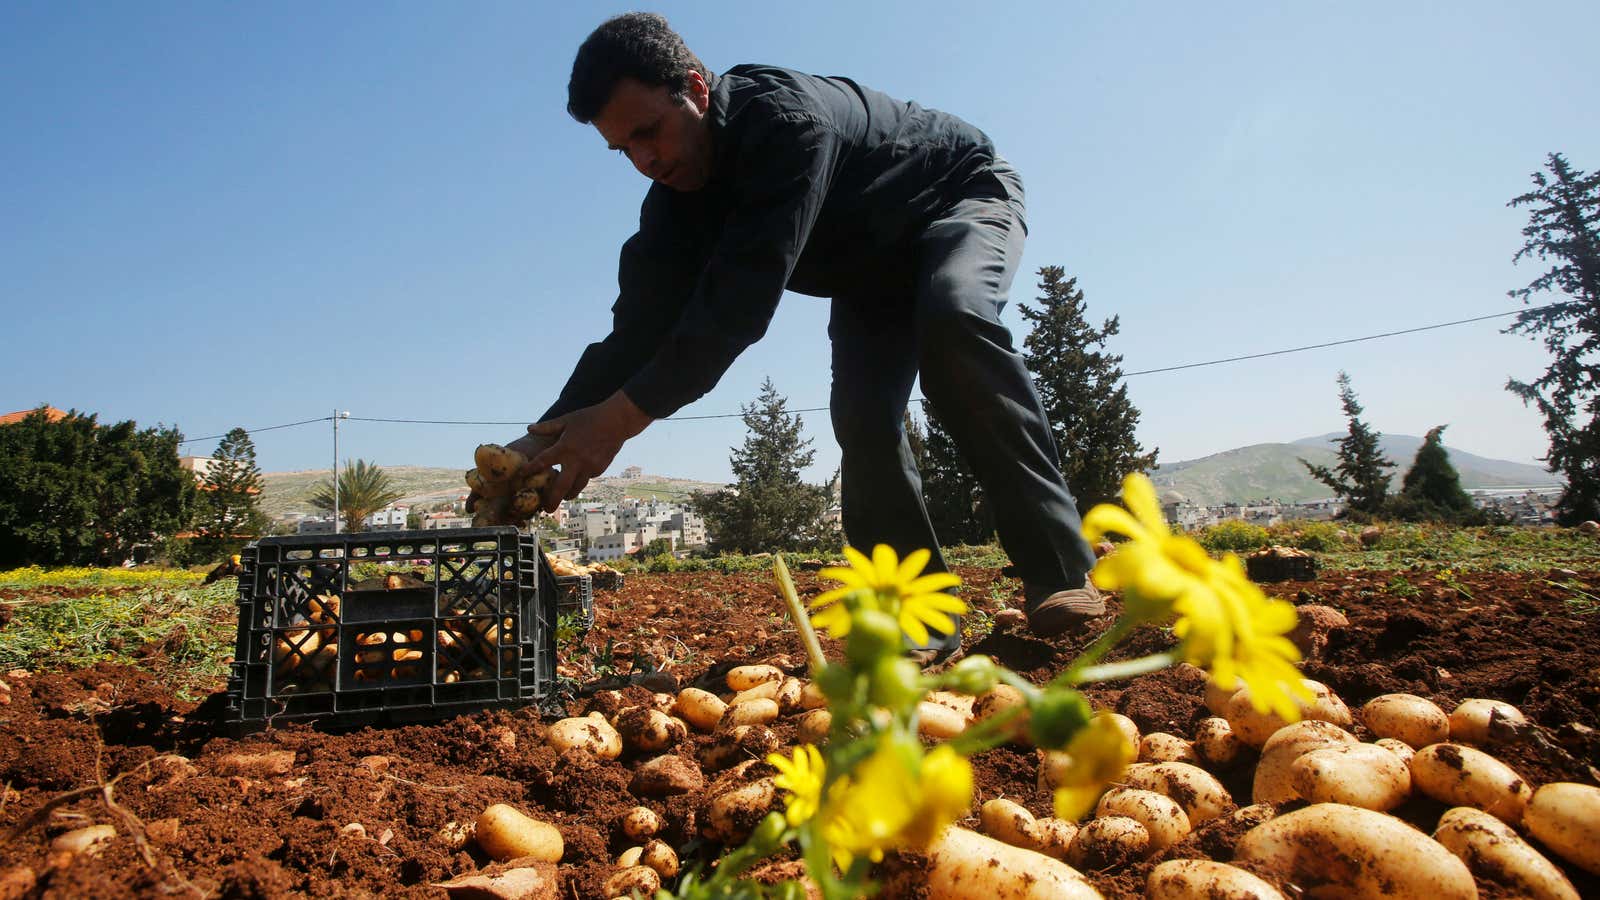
(575,599)
(391,626)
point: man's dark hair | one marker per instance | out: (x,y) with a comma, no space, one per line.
(633,45)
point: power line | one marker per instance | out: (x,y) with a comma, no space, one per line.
(1370,337)
(1195,365)
(214,437)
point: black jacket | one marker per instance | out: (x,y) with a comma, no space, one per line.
(819,186)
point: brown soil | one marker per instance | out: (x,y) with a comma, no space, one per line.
(191,817)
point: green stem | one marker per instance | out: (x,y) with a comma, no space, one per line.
(1144,665)
(988,734)
(802,622)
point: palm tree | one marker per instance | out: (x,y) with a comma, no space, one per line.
(363,490)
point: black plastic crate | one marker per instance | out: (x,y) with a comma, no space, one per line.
(392,626)
(575,598)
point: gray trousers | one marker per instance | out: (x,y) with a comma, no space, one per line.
(948,331)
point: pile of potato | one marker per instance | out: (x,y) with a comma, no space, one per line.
(1344,844)
(306,657)
(567,568)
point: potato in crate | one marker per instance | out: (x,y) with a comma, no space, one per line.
(391,626)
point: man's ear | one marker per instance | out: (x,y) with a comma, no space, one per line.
(699,92)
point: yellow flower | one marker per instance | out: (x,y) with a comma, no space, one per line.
(897,797)
(1247,641)
(1099,751)
(867,810)
(946,786)
(802,778)
(1225,622)
(895,586)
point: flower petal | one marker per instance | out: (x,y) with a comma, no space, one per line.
(1139,496)
(912,565)
(885,565)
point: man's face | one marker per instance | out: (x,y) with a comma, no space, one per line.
(668,139)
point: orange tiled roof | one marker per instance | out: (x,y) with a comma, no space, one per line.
(50,412)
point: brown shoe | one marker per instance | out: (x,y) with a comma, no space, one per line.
(932,658)
(1065,611)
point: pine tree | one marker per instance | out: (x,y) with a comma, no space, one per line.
(1359,478)
(768,508)
(364,488)
(1431,490)
(1564,229)
(950,490)
(1080,384)
(230,499)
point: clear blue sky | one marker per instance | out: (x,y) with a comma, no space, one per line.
(218,215)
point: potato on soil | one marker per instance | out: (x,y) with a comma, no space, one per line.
(1055,837)
(1001,698)
(1108,841)
(736,745)
(1158,746)
(702,709)
(1497,854)
(1469,722)
(731,815)
(647,730)
(1161,816)
(1565,816)
(750,712)
(83,840)
(813,726)
(939,722)
(640,823)
(657,855)
(642,881)
(1273,780)
(1009,821)
(1215,742)
(1337,851)
(587,733)
(506,833)
(1415,720)
(743,678)
(1201,795)
(962,864)
(1254,727)
(1204,879)
(666,776)
(1363,775)
(1462,776)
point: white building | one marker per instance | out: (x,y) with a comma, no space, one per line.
(392,518)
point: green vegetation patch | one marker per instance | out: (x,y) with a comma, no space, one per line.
(187,630)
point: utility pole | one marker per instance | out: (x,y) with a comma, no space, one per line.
(337,415)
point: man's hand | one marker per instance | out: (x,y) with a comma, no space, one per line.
(585,443)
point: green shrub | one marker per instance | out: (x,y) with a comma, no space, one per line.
(1318,537)
(1233,535)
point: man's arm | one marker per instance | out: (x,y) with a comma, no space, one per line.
(784,170)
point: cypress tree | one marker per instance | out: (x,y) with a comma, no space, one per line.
(1080,384)
(1359,478)
(768,508)
(1564,229)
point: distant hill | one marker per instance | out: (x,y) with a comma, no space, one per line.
(1263,471)
(286,493)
